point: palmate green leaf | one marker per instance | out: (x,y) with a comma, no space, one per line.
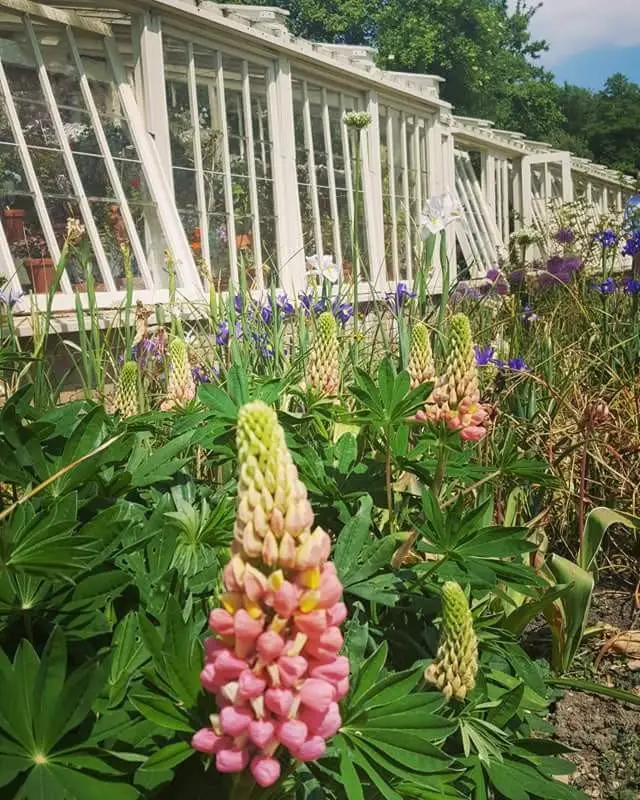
(56,782)
(521,782)
(369,673)
(160,464)
(129,654)
(161,711)
(168,757)
(350,779)
(510,704)
(88,434)
(217,400)
(346,452)
(353,537)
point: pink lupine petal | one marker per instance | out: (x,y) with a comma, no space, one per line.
(287,552)
(270,549)
(255,583)
(331,723)
(245,626)
(265,770)
(232,759)
(235,721)
(269,646)
(312,719)
(221,622)
(313,749)
(211,679)
(473,434)
(261,732)
(330,590)
(312,624)
(327,645)
(229,665)
(212,648)
(333,672)
(291,669)
(278,701)
(317,694)
(250,685)
(342,689)
(292,734)
(206,741)
(285,600)
(337,615)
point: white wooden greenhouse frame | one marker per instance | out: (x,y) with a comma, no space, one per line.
(205,141)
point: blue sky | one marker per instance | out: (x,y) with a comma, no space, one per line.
(590,39)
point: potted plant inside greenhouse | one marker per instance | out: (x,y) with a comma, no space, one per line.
(37,262)
(12,217)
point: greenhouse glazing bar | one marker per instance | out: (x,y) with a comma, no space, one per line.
(247,167)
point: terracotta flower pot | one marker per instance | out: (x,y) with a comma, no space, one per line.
(13,224)
(42,273)
(244,241)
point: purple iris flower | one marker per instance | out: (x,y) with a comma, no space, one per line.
(400,296)
(632,245)
(305,301)
(565,236)
(342,311)
(238,303)
(320,305)
(266,313)
(200,375)
(528,314)
(518,364)
(10,298)
(607,238)
(631,286)
(285,305)
(239,333)
(222,334)
(484,356)
(607,286)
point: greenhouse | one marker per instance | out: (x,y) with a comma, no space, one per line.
(208,135)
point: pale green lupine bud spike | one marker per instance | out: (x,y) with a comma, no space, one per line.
(420,367)
(454,669)
(323,372)
(127,402)
(460,379)
(272,500)
(181,388)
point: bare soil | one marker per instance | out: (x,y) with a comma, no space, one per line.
(605,733)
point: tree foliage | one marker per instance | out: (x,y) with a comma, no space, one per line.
(491,64)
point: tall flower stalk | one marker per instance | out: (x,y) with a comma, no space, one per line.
(273,662)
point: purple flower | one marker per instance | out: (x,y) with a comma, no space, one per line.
(528,315)
(238,303)
(607,286)
(342,311)
(222,334)
(632,245)
(305,301)
(239,333)
(266,314)
(607,238)
(484,357)
(201,375)
(10,298)
(464,291)
(518,364)
(631,286)
(320,305)
(565,236)
(497,281)
(400,296)
(516,277)
(284,304)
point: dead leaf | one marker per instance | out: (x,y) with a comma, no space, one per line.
(627,644)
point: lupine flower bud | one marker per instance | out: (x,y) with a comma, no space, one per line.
(127,402)
(274,666)
(456,663)
(456,397)
(181,388)
(420,366)
(323,370)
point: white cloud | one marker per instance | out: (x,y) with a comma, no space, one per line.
(575,26)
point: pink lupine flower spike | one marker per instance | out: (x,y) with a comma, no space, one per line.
(273,664)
